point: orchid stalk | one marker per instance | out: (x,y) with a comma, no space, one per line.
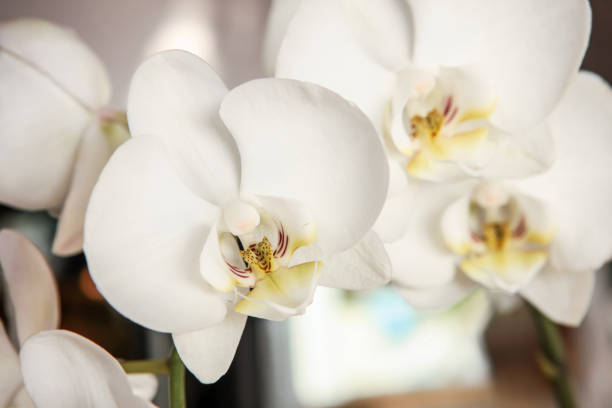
(553,360)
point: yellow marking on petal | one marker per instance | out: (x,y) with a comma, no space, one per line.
(419,164)
(509,267)
(116,130)
(478,113)
(288,288)
(460,248)
(260,257)
(467,140)
(296,241)
(540,238)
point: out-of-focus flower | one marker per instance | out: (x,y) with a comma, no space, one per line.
(58,368)
(55,132)
(542,237)
(192,227)
(452,86)
(62,369)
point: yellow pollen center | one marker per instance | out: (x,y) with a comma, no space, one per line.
(259,256)
(497,236)
(427,127)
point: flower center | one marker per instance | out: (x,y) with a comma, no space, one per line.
(504,240)
(428,127)
(439,121)
(259,256)
(256,244)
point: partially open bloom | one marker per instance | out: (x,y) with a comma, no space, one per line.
(55,132)
(542,237)
(51,368)
(451,85)
(223,204)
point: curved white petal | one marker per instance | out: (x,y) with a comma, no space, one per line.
(421,258)
(563,296)
(144,231)
(10,372)
(577,188)
(40,129)
(519,154)
(531,50)
(143,385)
(214,268)
(280,14)
(21,399)
(332,56)
(439,297)
(93,154)
(175,95)
(62,369)
(30,284)
(383,28)
(303,142)
(58,54)
(208,353)
(364,266)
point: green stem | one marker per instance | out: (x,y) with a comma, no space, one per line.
(553,360)
(145,366)
(177,381)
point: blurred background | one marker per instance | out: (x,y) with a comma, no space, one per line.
(350,349)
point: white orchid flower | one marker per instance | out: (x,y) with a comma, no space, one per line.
(223,204)
(52,368)
(542,237)
(55,132)
(451,85)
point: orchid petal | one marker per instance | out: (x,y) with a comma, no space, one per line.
(93,154)
(215,268)
(508,270)
(561,295)
(333,57)
(208,353)
(303,142)
(83,374)
(577,188)
(439,297)
(175,95)
(143,385)
(364,266)
(30,284)
(421,258)
(530,52)
(144,232)
(391,223)
(293,218)
(520,154)
(60,56)
(280,14)
(21,399)
(40,129)
(282,293)
(10,372)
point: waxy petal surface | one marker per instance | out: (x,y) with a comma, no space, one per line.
(303,142)
(62,369)
(144,232)
(175,95)
(208,353)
